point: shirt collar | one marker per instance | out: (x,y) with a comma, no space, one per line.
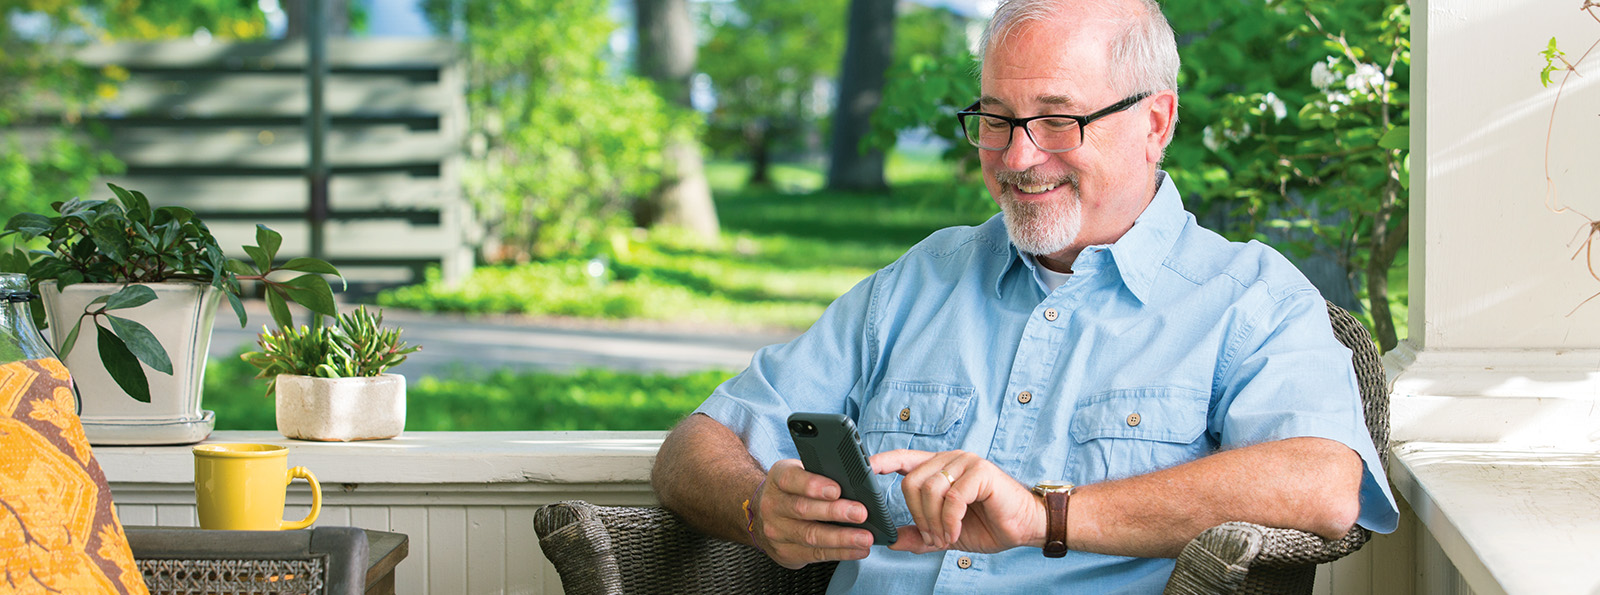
(1139,252)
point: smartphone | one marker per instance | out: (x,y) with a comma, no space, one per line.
(830,446)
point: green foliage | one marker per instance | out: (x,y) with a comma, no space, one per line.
(563,143)
(355,346)
(1551,54)
(934,74)
(766,59)
(1292,118)
(783,257)
(124,240)
(474,400)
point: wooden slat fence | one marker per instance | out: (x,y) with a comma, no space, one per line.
(220,129)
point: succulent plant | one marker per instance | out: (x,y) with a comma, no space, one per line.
(356,345)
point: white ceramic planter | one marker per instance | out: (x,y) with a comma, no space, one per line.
(180,317)
(341,409)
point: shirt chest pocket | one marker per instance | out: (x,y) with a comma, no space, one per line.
(1131,432)
(915,415)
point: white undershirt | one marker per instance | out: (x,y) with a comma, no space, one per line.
(1049,278)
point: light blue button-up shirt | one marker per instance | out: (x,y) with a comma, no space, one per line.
(1163,347)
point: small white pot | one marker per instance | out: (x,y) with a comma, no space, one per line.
(341,409)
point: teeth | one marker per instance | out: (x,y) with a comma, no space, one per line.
(1037,189)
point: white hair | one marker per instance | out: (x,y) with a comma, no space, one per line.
(1143,56)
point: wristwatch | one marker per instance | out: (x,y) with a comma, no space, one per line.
(1055,494)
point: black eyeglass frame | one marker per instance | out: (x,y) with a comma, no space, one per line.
(1083,122)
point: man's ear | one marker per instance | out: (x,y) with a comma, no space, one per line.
(1163,114)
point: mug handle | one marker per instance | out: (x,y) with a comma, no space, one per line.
(316,499)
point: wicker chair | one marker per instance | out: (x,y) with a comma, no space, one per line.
(179,561)
(612,550)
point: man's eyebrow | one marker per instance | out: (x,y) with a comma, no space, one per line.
(1056,100)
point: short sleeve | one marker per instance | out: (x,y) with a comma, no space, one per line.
(820,371)
(1286,376)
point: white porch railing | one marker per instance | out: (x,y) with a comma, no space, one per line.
(465,499)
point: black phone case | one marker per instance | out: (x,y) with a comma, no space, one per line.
(836,453)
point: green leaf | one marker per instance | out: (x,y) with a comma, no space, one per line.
(279,308)
(14,261)
(269,241)
(311,265)
(122,365)
(30,225)
(313,292)
(142,343)
(1397,138)
(263,260)
(72,338)
(131,296)
(238,267)
(238,307)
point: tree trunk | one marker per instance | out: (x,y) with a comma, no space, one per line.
(667,56)
(869,50)
(757,138)
(1385,242)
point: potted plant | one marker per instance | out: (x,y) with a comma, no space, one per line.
(148,281)
(329,381)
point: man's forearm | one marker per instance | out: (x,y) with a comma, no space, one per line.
(703,472)
(1309,484)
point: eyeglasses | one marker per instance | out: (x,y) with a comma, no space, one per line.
(1053,133)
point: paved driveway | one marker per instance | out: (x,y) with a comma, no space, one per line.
(530,344)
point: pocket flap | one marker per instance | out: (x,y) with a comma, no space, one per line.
(916,407)
(1160,414)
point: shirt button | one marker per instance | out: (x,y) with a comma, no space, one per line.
(1050,314)
(964,562)
(1133,419)
(1024,396)
(905,414)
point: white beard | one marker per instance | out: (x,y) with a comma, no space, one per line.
(1042,228)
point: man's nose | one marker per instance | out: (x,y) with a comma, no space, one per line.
(1023,153)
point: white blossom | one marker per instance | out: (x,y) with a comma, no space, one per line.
(1209,138)
(1271,103)
(1322,75)
(1367,76)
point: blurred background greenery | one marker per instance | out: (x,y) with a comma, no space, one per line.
(595,131)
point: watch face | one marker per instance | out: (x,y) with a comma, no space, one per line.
(1045,487)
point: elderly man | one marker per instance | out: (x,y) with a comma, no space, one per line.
(1092,335)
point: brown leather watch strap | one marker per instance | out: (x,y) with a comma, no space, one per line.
(1055,522)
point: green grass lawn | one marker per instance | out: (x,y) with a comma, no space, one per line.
(786,252)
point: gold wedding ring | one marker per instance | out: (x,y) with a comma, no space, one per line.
(946,475)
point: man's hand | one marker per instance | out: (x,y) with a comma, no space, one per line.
(790,514)
(960,500)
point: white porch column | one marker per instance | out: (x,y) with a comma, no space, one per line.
(1493,354)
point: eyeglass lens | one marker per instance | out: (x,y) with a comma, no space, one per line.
(1050,134)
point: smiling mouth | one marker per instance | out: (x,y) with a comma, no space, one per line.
(1035,188)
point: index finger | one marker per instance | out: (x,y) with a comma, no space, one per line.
(788,475)
(900,461)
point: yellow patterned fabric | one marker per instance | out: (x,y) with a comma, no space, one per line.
(58,529)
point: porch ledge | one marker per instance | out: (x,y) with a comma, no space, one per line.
(1513,519)
(459,458)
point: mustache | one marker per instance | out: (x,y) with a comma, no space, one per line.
(1027,177)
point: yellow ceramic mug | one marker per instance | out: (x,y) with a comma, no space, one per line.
(242,486)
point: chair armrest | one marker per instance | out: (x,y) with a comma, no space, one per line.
(180,560)
(609,550)
(1219,559)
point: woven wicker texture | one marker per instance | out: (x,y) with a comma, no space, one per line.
(233,577)
(1216,561)
(614,550)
